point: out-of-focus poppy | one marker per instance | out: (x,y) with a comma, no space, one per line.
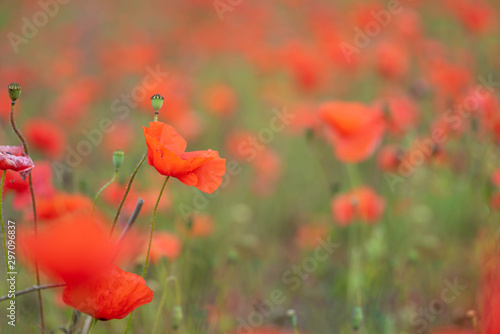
(61,205)
(72,248)
(166,153)
(392,60)
(42,185)
(356,129)
(220,100)
(362,203)
(164,244)
(389,158)
(46,137)
(14,158)
(110,294)
(308,235)
(402,116)
(202,225)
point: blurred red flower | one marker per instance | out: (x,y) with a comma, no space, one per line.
(110,294)
(14,158)
(46,137)
(362,202)
(220,100)
(164,244)
(356,129)
(72,248)
(166,153)
(63,204)
(42,185)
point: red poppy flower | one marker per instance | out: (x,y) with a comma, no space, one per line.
(14,158)
(110,294)
(308,235)
(46,137)
(356,129)
(362,202)
(42,185)
(166,153)
(62,204)
(164,244)
(72,248)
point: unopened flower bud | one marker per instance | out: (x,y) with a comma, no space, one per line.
(357,318)
(157,102)
(292,316)
(177,317)
(118,157)
(14,91)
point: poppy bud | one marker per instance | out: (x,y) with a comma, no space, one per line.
(157,102)
(357,318)
(14,91)
(118,157)
(176,317)
(292,316)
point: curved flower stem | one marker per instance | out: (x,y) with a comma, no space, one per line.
(129,185)
(153,226)
(102,189)
(35,226)
(1,222)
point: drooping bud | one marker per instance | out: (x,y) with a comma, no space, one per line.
(14,91)
(118,157)
(157,103)
(357,318)
(177,317)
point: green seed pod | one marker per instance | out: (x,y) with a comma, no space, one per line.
(14,91)
(157,102)
(118,157)
(177,317)
(357,318)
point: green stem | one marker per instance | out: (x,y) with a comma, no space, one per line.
(1,221)
(129,185)
(153,226)
(33,202)
(102,189)
(150,237)
(93,325)
(162,301)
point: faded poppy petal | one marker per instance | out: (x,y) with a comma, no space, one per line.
(110,294)
(14,158)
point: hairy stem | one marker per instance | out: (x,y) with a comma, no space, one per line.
(129,185)
(35,227)
(102,189)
